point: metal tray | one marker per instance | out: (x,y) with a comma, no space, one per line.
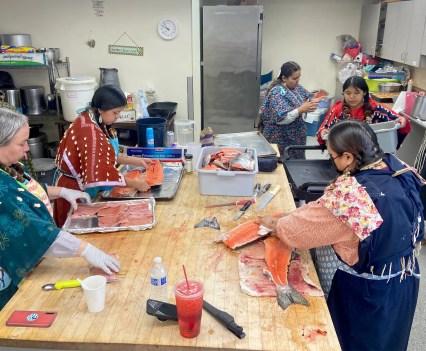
(254,140)
(90,224)
(173,172)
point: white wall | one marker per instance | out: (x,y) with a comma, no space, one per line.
(66,24)
(305,31)
(301,30)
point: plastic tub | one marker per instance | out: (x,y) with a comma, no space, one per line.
(76,95)
(159,126)
(387,135)
(373,84)
(163,109)
(45,169)
(184,131)
(221,182)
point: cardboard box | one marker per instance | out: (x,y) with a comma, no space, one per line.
(228,183)
(23,59)
(162,153)
(127,116)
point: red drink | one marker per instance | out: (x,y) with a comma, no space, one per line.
(189,304)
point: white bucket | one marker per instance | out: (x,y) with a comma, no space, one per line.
(76,94)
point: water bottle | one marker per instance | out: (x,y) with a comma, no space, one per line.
(159,281)
(149,137)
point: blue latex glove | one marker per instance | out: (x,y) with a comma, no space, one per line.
(72,195)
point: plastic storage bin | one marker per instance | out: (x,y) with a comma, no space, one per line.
(221,182)
(373,84)
(313,121)
(387,135)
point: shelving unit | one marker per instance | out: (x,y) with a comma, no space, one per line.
(52,70)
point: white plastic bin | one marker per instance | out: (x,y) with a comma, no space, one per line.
(221,182)
(387,135)
(76,94)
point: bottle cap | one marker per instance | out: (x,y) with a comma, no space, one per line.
(188,156)
(157,260)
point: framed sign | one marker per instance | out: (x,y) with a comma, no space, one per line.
(125,50)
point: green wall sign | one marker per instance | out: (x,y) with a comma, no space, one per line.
(125,50)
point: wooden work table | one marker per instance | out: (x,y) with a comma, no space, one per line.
(125,325)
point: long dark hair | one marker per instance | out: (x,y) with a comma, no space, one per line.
(107,97)
(358,83)
(287,69)
(357,138)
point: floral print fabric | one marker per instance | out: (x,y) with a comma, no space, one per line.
(352,205)
(278,103)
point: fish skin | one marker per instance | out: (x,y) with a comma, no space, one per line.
(278,256)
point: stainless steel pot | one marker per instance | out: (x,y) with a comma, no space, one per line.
(389,87)
(13,97)
(419,109)
(38,145)
(16,39)
(33,99)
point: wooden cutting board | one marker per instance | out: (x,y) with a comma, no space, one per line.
(384,97)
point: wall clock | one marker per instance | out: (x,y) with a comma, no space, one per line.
(167,28)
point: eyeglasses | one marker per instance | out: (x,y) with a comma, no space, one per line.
(333,158)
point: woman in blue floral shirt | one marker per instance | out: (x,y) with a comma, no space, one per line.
(281,112)
(27,229)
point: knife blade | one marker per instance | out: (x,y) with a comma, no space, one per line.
(225,318)
(256,190)
(268,197)
(239,202)
(241,211)
(263,190)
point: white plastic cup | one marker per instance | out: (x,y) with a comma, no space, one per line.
(194,148)
(94,292)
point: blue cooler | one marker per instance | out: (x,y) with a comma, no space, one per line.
(314,119)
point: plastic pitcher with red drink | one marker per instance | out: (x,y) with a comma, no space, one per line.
(189,304)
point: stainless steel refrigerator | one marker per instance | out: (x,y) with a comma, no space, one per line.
(231,67)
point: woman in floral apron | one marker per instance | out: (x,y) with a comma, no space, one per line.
(27,229)
(372,217)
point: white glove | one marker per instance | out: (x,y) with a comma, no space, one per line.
(100,259)
(72,195)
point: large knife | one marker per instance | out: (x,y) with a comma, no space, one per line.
(225,318)
(268,197)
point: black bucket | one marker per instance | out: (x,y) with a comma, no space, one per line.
(159,126)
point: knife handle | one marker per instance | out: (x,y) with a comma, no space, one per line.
(67,284)
(266,187)
(275,190)
(246,206)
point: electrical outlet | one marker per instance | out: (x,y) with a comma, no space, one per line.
(151,88)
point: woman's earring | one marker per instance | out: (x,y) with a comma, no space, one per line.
(100,119)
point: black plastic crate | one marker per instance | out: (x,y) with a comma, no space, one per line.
(163,109)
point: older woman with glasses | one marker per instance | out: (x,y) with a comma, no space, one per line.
(372,218)
(357,104)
